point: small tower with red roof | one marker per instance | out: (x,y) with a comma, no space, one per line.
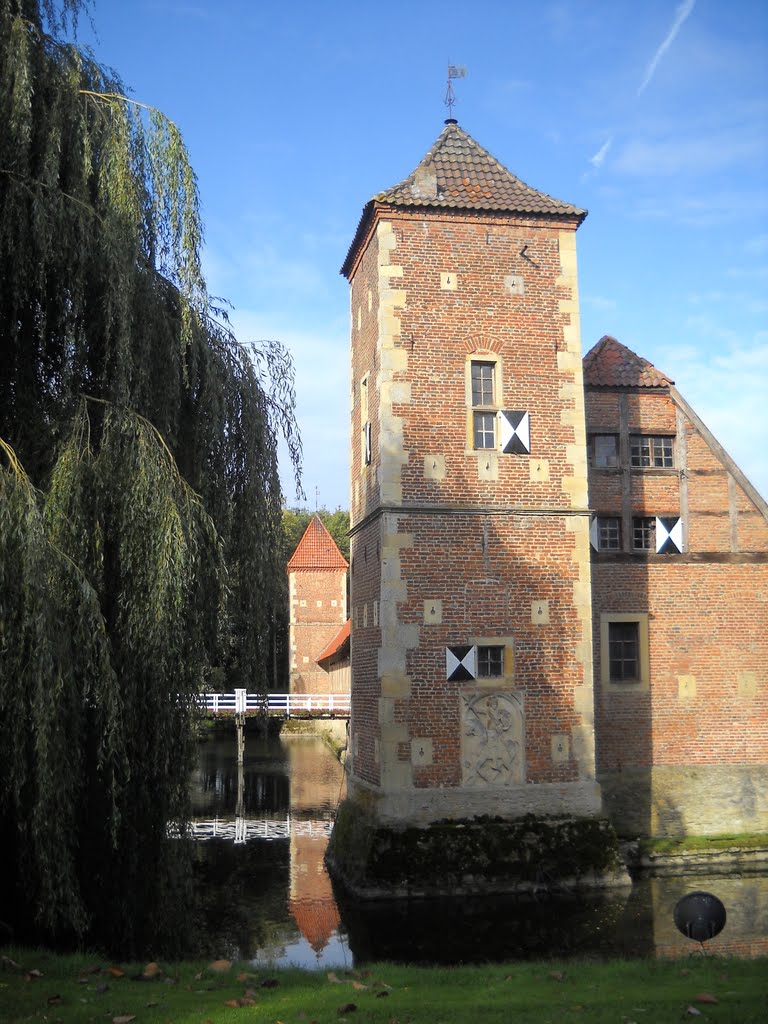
(317,587)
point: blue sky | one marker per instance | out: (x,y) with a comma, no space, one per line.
(653,116)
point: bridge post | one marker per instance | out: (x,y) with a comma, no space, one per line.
(240,704)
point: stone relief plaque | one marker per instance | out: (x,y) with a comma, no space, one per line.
(492,740)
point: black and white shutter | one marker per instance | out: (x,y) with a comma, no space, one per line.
(669,535)
(461,663)
(515,432)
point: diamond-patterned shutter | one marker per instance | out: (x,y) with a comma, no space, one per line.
(669,535)
(515,432)
(461,663)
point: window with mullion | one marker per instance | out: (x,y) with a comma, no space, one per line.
(483,384)
(484,431)
(651,452)
(624,651)
(644,533)
(490,662)
(609,533)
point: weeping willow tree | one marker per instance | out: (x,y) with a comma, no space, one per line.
(140,506)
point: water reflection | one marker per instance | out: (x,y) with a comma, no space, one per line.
(268,896)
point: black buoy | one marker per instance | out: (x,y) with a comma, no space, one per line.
(700,916)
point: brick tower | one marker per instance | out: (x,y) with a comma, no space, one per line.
(317,586)
(472,689)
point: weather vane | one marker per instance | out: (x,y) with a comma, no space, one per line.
(454,71)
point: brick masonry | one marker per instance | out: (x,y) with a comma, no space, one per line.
(455,545)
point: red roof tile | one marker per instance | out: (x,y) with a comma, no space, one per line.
(612,365)
(336,644)
(317,549)
(458,173)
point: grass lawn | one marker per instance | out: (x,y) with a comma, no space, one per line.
(36,985)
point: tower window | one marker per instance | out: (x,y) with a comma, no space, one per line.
(490,662)
(651,452)
(484,404)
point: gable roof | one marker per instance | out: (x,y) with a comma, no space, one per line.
(336,645)
(317,549)
(458,174)
(610,364)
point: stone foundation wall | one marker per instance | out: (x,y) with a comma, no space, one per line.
(693,800)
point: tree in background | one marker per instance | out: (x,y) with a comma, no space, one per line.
(140,505)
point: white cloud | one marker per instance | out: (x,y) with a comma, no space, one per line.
(599,157)
(682,12)
(598,302)
(697,156)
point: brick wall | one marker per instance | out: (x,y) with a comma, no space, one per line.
(318,610)
(455,545)
(685,751)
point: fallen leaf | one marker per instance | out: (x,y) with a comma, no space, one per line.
(150,1005)
(706,997)
(557,975)
(250,993)
(359,986)
(247,1001)
(55,1000)
(151,970)
(346,1008)
(382,995)
(7,962)
(34,973)
(693,1011)
(234,1003)
(270,983)
(124,1018)
(685,972)
(331,976)
(245,976)
(117,972)
(220,966)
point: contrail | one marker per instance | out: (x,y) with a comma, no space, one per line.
(681,14)
(600,155)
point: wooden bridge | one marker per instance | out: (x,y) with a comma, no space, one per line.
(280,705)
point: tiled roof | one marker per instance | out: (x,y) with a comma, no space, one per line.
(458,173)
(612,365)
(316,550)
(341,638)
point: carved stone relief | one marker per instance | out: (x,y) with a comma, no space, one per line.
(492,741)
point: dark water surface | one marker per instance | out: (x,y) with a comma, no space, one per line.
(262,834)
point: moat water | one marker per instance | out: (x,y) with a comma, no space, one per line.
(262,833)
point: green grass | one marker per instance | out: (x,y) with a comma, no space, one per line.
(80,988)
(703,844)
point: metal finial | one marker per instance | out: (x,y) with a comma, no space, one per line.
(454,71)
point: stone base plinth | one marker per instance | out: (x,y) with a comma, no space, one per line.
(471,856)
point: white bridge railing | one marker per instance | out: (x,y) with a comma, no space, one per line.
(242,830)
(289,705)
